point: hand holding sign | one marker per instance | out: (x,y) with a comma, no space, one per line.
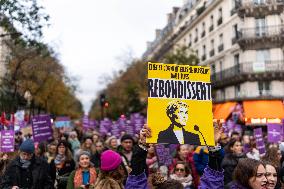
(144,133)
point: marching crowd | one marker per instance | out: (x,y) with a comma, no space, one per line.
(81,160)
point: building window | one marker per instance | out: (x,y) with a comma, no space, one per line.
(264,87)
(190,40)
(220,18)
(196,35)
(212,52)
(260,27)
(262,55)
(237,63)
(204,53)
(237,91)
(213,72)
(203,29)
(223,94)
(259,2)
(221,45)
(235,34)
(211,28)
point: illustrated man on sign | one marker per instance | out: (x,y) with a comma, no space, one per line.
(177,111)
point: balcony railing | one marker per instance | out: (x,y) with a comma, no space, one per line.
(212,53)
(248,68)
(259,32)
(261,8)
(252,94)
(261,37)
(211,28)
(220,21)
(221,47)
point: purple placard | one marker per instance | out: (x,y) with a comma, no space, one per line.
(129,128)
(41,126)
(7,140)
(274,132)
(259,141)
(163,155)
(85,121)
(115,131)
(105,126)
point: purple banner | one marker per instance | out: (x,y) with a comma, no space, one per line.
(85,121)
(105,126)
(115,131)
(259,141)
(274,132)
(41,126)
(7,141)
(163,154)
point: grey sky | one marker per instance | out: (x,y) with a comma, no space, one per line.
(90,34)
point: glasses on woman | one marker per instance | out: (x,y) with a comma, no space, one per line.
(179,170)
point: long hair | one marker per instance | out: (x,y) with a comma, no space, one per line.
(271,156)
(246,169)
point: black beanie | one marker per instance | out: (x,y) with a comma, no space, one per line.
(126,137)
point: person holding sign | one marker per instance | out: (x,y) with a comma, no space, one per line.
(177,111)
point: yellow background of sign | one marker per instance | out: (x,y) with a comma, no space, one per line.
(199,112)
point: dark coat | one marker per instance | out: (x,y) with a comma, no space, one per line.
(229,164)
(34,177)
(68,167)
(168,136)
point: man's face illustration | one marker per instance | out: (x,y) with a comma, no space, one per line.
(182,115)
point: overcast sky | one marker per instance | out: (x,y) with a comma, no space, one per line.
(90,35)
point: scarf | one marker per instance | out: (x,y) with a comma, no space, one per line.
(78,178)
(186,181)
(25,163)
(59,160)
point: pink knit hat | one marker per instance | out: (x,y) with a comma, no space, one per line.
(110,160)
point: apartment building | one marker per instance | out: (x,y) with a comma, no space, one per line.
(3,50)
(242,41)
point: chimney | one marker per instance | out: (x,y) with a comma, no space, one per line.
(175,10)
(170,16)
(158,33)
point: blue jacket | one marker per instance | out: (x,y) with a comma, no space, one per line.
(201,159)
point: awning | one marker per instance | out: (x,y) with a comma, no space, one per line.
(222,111)
(269,109)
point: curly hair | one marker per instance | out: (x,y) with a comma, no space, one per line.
(173,106)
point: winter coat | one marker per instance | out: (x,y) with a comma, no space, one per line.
(34,177)
(212,179)
(67,168)
(229,164)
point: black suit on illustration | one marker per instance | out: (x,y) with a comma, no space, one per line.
(168,136)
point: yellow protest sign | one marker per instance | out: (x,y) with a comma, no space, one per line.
(179,104)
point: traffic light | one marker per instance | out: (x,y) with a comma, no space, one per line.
(102,100)
(106,105)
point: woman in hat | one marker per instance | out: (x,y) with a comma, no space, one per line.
(62,165)
(85,175)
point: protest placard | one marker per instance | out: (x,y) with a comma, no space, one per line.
(179,104)
(274,131)
(62,121)
(163,154)
(41,126)
(7,140)
(259,141)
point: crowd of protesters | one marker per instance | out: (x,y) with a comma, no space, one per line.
(78,159)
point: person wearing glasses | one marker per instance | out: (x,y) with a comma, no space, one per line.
(182,174)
